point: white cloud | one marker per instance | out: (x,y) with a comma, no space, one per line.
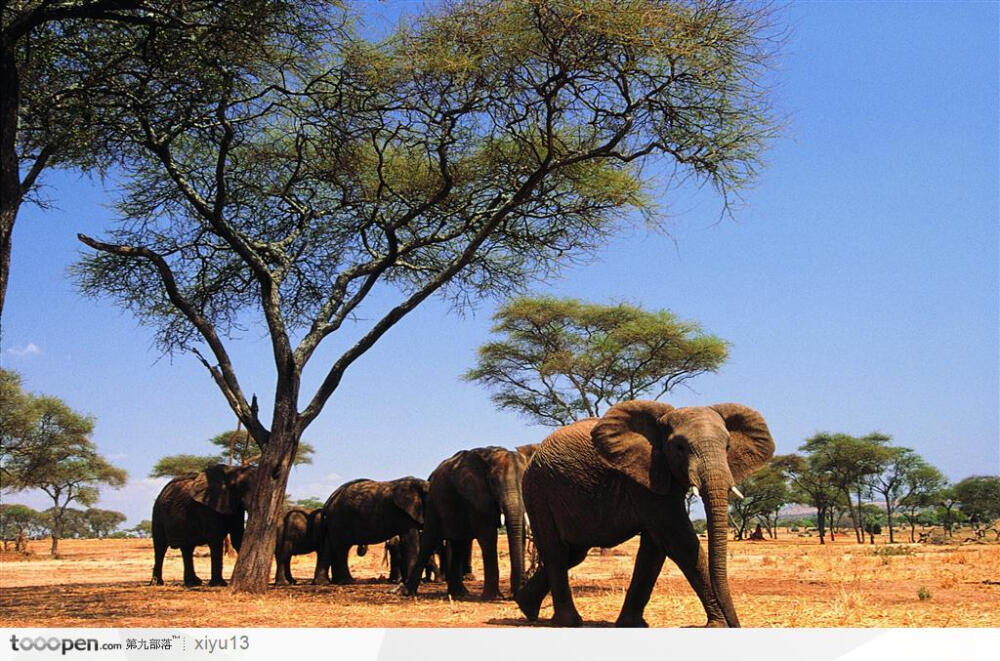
(29,350)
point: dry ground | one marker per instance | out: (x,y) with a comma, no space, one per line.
(789,582)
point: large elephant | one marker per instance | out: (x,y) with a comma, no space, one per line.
(368,512)
(201,508)
(300,532)
(599,482)
(468,493)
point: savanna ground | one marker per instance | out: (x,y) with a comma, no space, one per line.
(788,582)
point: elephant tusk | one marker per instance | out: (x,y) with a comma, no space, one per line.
(737,492)
(694,491)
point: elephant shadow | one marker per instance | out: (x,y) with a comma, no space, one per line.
(522,622)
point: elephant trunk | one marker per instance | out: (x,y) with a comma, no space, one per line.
(513,512)
(715,485)
(236,531)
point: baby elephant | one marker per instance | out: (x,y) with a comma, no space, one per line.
(301,532)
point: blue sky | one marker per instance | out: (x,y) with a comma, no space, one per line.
(858,286)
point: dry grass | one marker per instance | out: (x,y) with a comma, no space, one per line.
(789,582)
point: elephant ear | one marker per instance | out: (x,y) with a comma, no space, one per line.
(212,489)
(629,438)
(750,444)
(408,495)
(527,451)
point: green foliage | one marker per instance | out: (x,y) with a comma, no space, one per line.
(18,523)
(765,493)
(923,594)
(143,529)
(559,360)
(245,450)
(311,503)
(50,450)
(700,525)
(183,464)
(979,497)
(103,522)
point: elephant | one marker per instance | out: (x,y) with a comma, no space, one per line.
(601,481)
(301,532)
(468,493)
(200,508)
(367,512)
(396,552)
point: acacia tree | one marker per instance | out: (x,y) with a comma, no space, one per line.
(57,60)
(921,485)
(103,522)
(890,481)
(850,462)
(56,456)
(764,492)
(560,360)
(811,485)
(979,496)
(464,155)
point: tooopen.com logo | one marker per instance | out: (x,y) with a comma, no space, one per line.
(63,645)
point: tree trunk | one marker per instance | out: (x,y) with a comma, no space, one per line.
(10,176)
(888,516)
(821,523)
(253,566)
(856,518)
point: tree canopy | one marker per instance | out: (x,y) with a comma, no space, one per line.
(560,360)
(50,450)
(979,496)
(471,151)
(244,452)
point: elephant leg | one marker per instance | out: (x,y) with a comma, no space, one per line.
(159,551)
(648,563)
(682,546)
(454,572)
(215,552)
(558,561)
(288,571)
(321,575)
(529,597)
(410,552)
(190,578)
(465,553)
(338,562)
(428,542)
(279,570)
(491,567)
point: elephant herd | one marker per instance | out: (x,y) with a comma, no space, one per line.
(594,483)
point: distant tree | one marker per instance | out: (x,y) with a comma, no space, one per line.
(311,503)
(55,455)
(182,464)
(17,525)
(921,485)
(851,462)
(890,481)
(103,522)
(143,529)
(764,492)
(237,447)
(872,518)
(947,502)
(560,360)
(980,498)
(70,522)
(810,486)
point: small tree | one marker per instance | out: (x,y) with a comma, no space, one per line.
(560,360)
(17,524)
(810,486)
(890,481)
(103,522)
(980,498)
(764,491)
(311,503)
(921,486)
(54,454)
